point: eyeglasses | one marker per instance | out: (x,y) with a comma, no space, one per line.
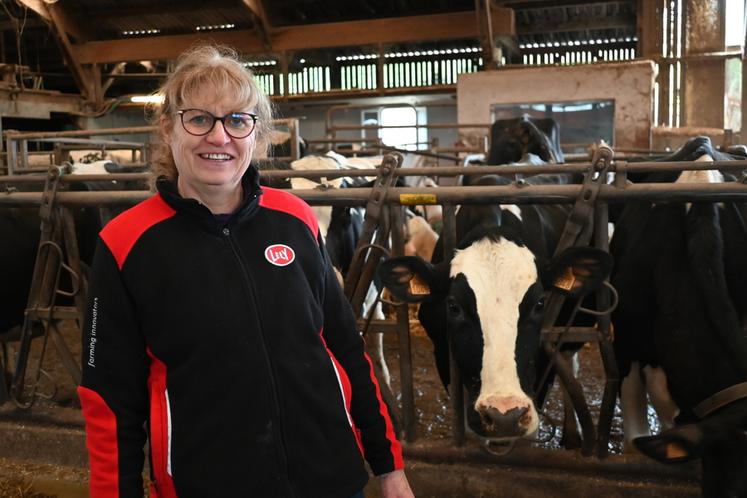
(199,123)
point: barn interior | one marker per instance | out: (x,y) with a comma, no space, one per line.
(361,79)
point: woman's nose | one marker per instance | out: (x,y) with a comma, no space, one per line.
(218,134)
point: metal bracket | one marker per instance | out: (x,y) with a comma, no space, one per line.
(363,265)
(577,232)
(56,226)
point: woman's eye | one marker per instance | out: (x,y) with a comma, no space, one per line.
(237,122)
(198,120)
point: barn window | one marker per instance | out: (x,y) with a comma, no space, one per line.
(407,135)
(734,23)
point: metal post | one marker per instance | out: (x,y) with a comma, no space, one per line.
(612,375)
(11,153)
(403,335)
(456,391)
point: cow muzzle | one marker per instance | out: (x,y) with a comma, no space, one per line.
(510,416)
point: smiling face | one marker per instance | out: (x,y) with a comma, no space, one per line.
(211,164)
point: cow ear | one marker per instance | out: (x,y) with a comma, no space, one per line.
(412,279)
(680,444)
(577,270)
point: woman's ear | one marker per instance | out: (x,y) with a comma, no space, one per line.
(166,125)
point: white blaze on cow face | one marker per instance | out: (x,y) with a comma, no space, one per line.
(499,274)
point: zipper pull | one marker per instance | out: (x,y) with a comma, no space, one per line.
(226,231)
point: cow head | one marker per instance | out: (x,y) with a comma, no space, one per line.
(490,299)
(719,441)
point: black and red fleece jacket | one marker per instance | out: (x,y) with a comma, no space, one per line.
(230,348)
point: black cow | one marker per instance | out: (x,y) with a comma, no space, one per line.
(488,297)
(512,139)
(682,319)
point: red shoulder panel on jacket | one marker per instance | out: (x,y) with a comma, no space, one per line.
(121,234)
(286,202)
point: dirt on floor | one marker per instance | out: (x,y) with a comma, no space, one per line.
(55,389)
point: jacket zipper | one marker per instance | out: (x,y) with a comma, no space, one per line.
(273,386)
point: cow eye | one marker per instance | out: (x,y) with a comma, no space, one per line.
(540,305)
(453,308)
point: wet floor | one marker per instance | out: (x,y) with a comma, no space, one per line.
(432,404)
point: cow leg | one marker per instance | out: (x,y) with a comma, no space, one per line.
(571,438)
(634,407)
(376,339)
(376,346)
(658,394)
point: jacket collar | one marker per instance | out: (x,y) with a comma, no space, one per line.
(192,207)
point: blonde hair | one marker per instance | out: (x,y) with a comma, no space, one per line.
(212,66)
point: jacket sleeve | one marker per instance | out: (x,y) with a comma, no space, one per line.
(370,415)
(113,391)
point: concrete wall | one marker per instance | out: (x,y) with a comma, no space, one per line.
(629,84)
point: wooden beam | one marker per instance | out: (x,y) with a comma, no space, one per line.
(263,25)
(435,27)
(123,11)
(37,6)
(393,30)
(81,76)
(64,19)
(163,47)
(611,22)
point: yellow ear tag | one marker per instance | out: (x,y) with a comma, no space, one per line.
(418,287)
(675,450)
(566,281)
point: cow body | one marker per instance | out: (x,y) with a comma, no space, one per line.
(487,301)
(682,313)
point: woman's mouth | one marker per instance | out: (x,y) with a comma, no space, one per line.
(216,156)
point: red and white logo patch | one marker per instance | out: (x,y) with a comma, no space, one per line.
(280,255)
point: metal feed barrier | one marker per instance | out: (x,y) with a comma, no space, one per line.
(387,198)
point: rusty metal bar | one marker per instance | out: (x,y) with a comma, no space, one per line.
(342,140)
(35,135)
(611,372)
(619,166)
(403,334)
(512,194)
(416,152)
(456,391)
(576,393)
(431,125)
(108,177)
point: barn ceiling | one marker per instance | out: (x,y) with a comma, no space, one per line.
(64,44)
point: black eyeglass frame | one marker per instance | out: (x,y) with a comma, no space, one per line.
(222,119)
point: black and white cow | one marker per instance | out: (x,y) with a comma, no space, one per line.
(512,139)
(681,325)
(487,299)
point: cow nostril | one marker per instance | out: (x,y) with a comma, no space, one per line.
(525,418)
(514,422)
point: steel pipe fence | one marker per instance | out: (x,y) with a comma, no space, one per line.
(447,196)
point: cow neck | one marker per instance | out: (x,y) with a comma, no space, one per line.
(201,214)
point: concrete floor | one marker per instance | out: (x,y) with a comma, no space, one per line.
(47,449)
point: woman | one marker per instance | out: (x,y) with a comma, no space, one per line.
(215,320)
